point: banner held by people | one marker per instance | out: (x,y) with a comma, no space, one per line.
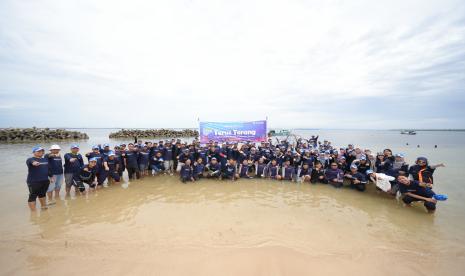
(254,131)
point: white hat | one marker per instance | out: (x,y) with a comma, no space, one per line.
(55,147)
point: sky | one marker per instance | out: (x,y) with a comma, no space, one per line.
(302,64)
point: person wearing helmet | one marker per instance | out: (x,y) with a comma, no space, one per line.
(422,171)
(56,168)
(357,180)
(73,165)
(37,178)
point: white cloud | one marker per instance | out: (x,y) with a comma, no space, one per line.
(165,63)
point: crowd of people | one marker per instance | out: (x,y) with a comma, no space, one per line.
(302,160)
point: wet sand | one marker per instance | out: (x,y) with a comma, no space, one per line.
(159,226)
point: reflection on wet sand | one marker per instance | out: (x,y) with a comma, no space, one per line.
(159,225)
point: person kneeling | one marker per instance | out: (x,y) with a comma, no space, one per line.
(213,169)
(334,175)
(305,173)
(413,190)
(229,171)
(86,175)
(187,173)
(318,175)
(357,180)
(272,171)
(244,169)
(199,168)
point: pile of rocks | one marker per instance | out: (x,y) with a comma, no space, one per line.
(162,133)
(38,134)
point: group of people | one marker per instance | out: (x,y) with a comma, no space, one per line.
(303,160)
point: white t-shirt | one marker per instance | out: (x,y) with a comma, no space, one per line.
(382,181)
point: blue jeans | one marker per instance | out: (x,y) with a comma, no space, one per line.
(56,184)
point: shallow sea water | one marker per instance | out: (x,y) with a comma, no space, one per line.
(157,225)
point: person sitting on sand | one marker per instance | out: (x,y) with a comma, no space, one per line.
(334,175)
(422,171)
(357,180)
(413,190)
(38,173)
(187,173)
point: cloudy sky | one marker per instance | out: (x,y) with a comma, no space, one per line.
(317,64)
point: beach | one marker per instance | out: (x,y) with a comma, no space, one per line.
(160,226)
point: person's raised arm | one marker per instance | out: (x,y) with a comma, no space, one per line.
(441,165)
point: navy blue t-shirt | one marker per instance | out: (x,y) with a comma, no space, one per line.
(415,188)
(55,163)
(73,167)
(186,172)
(168,153)
(131,159)
(143,158)
(37,173)
(112,163)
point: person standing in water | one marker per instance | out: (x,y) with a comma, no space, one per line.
(56,168)
(37,178)
(73,165)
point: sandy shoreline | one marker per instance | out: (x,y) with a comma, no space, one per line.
(251,227)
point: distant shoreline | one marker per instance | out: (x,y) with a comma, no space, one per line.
(277,128)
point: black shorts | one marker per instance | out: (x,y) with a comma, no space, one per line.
(37,190)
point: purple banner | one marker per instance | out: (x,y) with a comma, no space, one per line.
(232,131)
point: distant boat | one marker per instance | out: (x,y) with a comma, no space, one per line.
(408,132)
(283,132)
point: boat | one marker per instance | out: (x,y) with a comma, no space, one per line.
(408,132)
(283,132)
